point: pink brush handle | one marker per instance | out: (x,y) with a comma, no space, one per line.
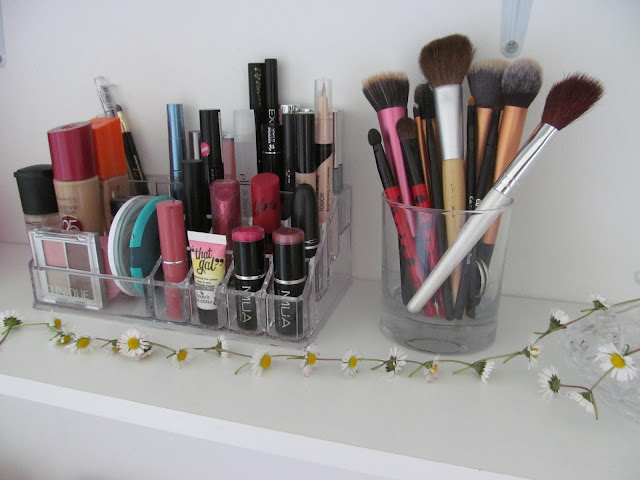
(388,118)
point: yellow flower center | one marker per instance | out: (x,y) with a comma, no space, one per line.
(311,358)
(353,362)
(64,340)
(265,362)
(182,355)
(617,361)
(83,342)
(133,343)
(434,368)
(57,323)
(535,352)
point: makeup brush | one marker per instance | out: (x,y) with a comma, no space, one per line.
(444,63)
(521,83)
(485,84)
(567,101)
(388,94)
(419,116)
(392,193)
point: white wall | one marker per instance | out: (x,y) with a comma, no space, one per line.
(574,228)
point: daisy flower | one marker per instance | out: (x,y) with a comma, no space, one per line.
(431,370)
(349,363)
(133,344)
(396,361)
(221,345)
(61,338)
(260,361)
(583,399)
(11,318)
(622,366)
(80,344)
(549,382)
(308,364)
(181,357)
(532,353)
(55,323)
(600,302)
(559,317)
(483,368)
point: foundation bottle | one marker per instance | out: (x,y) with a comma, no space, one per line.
(37,196)
(111,163)
(75,179)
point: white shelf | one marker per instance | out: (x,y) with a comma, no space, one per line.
(368,425)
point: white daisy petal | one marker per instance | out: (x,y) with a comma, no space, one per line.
(182,357)
(260,361)
(133,344)
(349,363)
(623,366)
(80,344)
(581,400)
(308,363)
(549,382)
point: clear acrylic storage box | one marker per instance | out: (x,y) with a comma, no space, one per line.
(328,276)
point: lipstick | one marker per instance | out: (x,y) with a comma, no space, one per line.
(305,217)
(173,250)
(177,148)
(289,279)
(249,272)
(265,202)
(225,207)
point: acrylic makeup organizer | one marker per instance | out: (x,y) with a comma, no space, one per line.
(328,277)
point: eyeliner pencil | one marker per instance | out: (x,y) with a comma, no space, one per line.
(134,167)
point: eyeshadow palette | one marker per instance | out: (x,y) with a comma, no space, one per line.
(64,258)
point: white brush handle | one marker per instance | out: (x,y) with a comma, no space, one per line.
(469,235)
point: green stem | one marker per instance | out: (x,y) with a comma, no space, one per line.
(8,331)
(601,378)
(633,351)
(371,360)
(378,366)
(626,302)
(595,405)
(329,359)
(162,346)
(241,367)
(30,324)
(575,386)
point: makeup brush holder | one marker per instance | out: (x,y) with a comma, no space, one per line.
(72,281)
(463,315)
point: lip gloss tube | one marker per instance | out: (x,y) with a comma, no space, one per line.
(225,207)
(289,278)
(75,178)
(173,250)
(249,271)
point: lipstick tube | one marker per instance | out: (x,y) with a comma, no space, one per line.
(265,202)
(249,272)
(75,179)
(173,250)
(194,201)
(305,217)
(289,279)
(225,207)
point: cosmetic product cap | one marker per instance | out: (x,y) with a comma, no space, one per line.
(271,84)
(175,125)
(305,144)
(35,186)
(305,216)
(195,195)
(71,148)
(229,155)
(225,207)
(108,147)
(338,158)
(288,236)
(115,203)
(244,125)
(248,250)
(194,144)
(288,254)
(324,127)
(265,201)
(173,241)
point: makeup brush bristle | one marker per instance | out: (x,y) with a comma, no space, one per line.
(571,98)
(521,82)
(446,60)
(406,129)
(485,82)
(374,137)
(386,90)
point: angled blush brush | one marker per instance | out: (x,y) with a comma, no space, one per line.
(567,101)
(444,63)
(419,116)
(388,94)
(485,84)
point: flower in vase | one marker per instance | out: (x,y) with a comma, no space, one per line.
(431,369)
(308,364)
(260,361)
(549,382)
(133,344)
(622,366)
(397,360)
(349,363)
(583,399)
(532,353)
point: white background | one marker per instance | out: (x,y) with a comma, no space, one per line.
(575,226)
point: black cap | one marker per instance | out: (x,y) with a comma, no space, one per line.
(271,82)
(35,185)
(305,217)
(305,144)
(195,195)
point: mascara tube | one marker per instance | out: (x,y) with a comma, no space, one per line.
(271,130)
(177,148)
(249,272)
(257,100)
(289,279)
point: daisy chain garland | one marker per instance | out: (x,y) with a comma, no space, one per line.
(615,361)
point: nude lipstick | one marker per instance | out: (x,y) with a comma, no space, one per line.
(173,250)
(249,272)
(289,279)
